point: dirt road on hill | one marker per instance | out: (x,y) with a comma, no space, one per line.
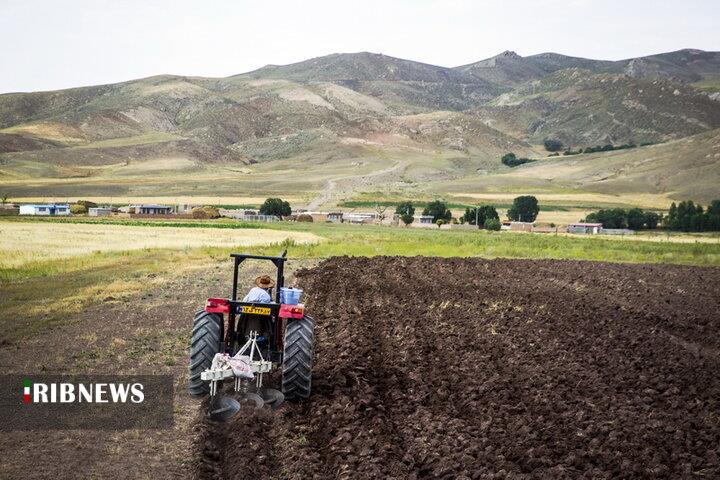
(348,185)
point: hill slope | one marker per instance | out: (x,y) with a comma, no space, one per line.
(582,108)
(680,169)
(340,116)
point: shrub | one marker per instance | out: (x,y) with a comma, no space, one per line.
(511,160)
(78,209)
(524,209)
(508,157)
(205,212)
(87,204)
(275,206)
(492,224)
(304,217)
(407,219)
(553,145)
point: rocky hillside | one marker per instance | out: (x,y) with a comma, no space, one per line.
(352,105)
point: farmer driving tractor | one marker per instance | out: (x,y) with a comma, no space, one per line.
(261,291)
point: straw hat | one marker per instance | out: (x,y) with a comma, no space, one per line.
(264,281)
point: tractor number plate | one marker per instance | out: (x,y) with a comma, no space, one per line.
(255,310)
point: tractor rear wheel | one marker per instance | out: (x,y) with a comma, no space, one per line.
(207,333)
(298,358)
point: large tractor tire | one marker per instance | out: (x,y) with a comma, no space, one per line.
(298,358)
(207,333)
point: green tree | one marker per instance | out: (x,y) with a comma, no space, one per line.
(713,216)
(438,210)
(480,213)
(671,221)
(492,224)
(440,222)
(275,206)
(407,219)
(4,198)
(635,219)
(552,145)
(405,208)
(524,209)
(651,220)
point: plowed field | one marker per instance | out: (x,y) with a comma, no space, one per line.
(469,368)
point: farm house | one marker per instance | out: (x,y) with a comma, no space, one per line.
(99,211)
(151,209)
(521,226)
(335,217)
(423,219)
(359,218)
(45,209)
(585,228)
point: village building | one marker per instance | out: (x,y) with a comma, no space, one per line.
(521,226)
(7,209)
(243,215)
(45,209)
(151,209)
(99,211)
(359,217)
(585,228)
(423,219)
(335,217)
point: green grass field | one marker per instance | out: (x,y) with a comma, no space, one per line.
(82,273)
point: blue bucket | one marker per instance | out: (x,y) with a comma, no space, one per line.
(290,296)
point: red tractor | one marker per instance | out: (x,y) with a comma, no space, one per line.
(274,334)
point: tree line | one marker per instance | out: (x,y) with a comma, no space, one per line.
(524,209)
(690,217)
(634,218)
(686,216)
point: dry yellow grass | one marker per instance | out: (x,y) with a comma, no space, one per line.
(167,200)
(30,242)
(54,131)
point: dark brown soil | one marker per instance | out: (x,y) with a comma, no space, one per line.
(467,368)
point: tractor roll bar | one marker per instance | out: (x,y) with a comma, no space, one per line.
(278,261)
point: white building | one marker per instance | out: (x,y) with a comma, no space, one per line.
(99,211)
(45,209)
(585,228)
(358,218)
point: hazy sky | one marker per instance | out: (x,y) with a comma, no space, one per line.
(53,44)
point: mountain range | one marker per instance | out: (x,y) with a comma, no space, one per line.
(346,114)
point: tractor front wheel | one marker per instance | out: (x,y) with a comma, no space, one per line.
(207,334)
(298,358)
